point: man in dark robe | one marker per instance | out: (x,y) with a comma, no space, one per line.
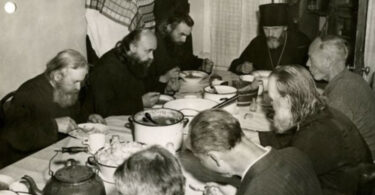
(174,53)
(276,45)
(45,106)
(303,120)
(116,83)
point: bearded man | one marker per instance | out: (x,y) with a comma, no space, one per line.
(45,106)
(276,45)
(116,83)
(303,120)
(174,53)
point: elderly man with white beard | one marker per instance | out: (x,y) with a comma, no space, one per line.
(303,120)
(275,45)
(45,106)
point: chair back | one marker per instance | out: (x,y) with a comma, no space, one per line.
(4,105)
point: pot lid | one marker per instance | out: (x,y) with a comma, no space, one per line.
(74,174)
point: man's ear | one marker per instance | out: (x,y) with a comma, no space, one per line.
(169,28)
(132,48)
(215,157)
(285,28)
(57,76)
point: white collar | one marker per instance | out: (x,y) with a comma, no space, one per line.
(268,149)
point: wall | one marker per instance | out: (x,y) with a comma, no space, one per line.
(34,34)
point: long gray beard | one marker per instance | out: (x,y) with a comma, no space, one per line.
(63,98)
(273,43)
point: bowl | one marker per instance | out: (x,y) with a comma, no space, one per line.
(162,100)
(193,76)
(190,106)
(223,93)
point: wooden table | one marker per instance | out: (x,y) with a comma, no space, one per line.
(36,165)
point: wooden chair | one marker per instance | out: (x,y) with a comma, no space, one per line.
(367,179)
(4,105)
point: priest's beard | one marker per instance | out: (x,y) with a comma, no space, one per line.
(283,120)
(139,67)
(64,96)
(275,42)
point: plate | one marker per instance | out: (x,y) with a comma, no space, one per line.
(88,128)
(5,181)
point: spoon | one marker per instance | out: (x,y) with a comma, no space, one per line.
(148,117)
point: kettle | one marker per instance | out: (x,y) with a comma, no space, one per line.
(71,179)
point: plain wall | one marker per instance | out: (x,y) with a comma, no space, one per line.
(34,34)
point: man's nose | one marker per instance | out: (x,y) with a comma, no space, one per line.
(183,39)
(77,86)
(308,63)
(151,56)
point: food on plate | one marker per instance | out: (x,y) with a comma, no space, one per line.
(116,152)
(88,128)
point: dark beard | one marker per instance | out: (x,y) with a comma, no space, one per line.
(63,97)
(138,68)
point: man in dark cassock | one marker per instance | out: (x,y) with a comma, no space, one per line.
(276,45)
(116,82)
(45,108)
(174,53)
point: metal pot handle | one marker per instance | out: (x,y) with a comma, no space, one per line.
(130,124)
(185,121)
(91,162)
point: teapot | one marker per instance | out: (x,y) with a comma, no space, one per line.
(71,179)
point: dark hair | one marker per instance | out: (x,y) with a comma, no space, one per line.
(175,20)
(123,46)
(151,171)
(296,82)
(63,59)
(214,130)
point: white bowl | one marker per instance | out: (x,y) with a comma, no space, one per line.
(190,106)
(162,100)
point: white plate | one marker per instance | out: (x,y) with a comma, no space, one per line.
(80,134)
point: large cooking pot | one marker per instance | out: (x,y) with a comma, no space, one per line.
(71,179)
(162,126)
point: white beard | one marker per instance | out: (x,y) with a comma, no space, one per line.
(273,43)
(63,97)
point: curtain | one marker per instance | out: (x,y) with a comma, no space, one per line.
(370,42)
(228,27)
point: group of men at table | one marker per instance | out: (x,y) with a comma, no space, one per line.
(318,142)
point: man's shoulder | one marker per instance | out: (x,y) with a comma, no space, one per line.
(299,38)
(34,84)
(108,63)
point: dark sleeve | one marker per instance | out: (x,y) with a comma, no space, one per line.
(277,141)
(109,97)
(246,55)
(189,61)
(25,130)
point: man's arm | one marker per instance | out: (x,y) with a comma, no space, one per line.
(246,56)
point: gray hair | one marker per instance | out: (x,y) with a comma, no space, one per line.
(296,82)
(151,171)
(66,58)
(335,46)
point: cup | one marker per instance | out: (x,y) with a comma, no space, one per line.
(246,93)
(95,141)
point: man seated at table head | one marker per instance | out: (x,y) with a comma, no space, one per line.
(346,91)
(151,171)
(174,53)
(45,106)
(303,120)
(217,139)
(275,45)
(116,81)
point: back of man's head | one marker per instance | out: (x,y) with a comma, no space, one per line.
(65,59)
(333,47)
(214,130)
(152,171)
(296,83)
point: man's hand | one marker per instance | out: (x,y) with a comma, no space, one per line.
(245,68)
(96,118)
(207,65)
(149,99)
(172,73)
(173,86)
(65,124)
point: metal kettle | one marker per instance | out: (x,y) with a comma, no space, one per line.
(72,179)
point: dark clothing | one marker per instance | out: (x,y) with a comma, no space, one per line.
(257,52)
(113,89)
(334,146)
(351,94)
(167,56)
(30,120)
(281,172)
